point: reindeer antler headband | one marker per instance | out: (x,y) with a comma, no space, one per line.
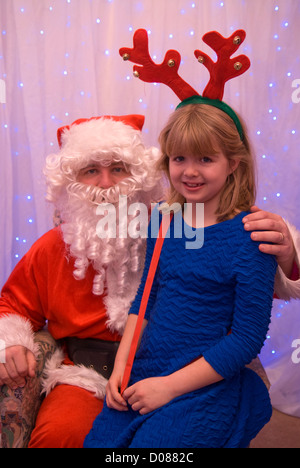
(224,69)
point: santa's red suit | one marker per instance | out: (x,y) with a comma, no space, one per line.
(42,288)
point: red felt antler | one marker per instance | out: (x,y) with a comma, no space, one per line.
(165,73)
(220,71)
(225,68)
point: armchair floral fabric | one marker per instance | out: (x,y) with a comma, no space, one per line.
(19,408)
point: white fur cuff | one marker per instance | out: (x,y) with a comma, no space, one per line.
(56,373)
(17,331)
(285,288)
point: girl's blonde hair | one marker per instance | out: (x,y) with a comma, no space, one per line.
(203,130)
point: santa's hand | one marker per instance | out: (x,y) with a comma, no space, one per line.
(19,365)
(148,394)
(271,229)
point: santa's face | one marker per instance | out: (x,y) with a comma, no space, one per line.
(120,259)
(103,176)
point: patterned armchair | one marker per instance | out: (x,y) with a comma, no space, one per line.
(19,408)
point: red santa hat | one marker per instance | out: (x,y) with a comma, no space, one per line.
(135,121)
(104,139)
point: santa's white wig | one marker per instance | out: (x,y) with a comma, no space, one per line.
(117,262)
(102,140)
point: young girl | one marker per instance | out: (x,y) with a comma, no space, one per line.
(208,311)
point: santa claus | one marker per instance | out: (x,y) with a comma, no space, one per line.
(77,282)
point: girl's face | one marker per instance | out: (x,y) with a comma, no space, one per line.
(200,179)
(102,176)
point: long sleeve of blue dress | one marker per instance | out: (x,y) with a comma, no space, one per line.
(254,284)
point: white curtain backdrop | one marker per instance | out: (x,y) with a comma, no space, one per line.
(59,61)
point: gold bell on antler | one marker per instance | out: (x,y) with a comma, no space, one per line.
(237,65)
(237,40)
(201,59)
(136,74)
(126,56)
(171,63)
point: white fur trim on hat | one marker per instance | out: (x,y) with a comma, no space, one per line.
(17,331)
(56,373)
(285,288)
(103,138)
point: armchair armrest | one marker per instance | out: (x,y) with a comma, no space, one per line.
(19,408)
(257,367)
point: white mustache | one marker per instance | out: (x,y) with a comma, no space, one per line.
(98,195)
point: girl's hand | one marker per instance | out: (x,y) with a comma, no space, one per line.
(113,397)
(148,394)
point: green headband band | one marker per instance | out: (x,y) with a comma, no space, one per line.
(197,99)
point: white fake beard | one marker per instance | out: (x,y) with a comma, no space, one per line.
(118,258)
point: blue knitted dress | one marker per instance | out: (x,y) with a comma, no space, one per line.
(198,296)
